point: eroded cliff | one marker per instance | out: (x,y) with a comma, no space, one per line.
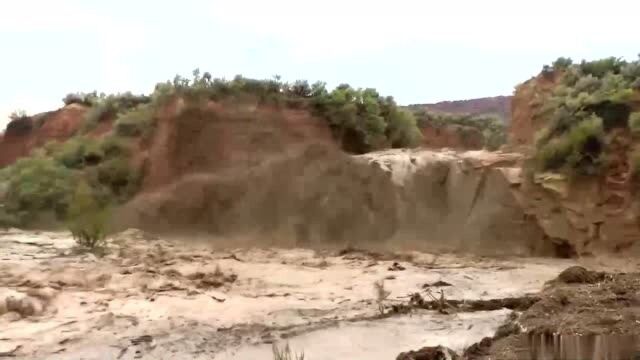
(584,213)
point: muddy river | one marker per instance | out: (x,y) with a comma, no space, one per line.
(151,298)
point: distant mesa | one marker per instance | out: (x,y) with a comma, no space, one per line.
(497,105)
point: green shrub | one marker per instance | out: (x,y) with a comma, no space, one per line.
(96,114)
(403,130)
(86,99)
(20,124)
(360,119)
(110,106)
(117,175)
(562,63)
(589,84)
(135,122)
(553,154)
(579,150)
(18,114)
(634,122)
(114,146)
(87,219)
(587,142)
(599,68)
(79,151)
(37,184)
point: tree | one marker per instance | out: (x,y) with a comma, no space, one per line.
(403,130)
(562,63)
(18,114)
(87,219)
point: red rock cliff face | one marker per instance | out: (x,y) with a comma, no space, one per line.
(196,139)
(527,101)
(585,215)
(24,135)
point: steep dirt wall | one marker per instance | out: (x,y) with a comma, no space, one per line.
(24,135)
(577,218)
(583,215)
(209,138)
(526,102)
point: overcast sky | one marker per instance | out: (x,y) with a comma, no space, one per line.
(418,51)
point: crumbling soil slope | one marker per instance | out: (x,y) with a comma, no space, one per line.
(525,104)
(23,135)
(210,137)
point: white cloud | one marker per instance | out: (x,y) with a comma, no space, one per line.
(38,15)
(117,38)
(336,28)
(119,44)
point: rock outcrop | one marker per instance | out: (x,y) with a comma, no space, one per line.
(26,134)
(581,215)
(211,138)
(525,104)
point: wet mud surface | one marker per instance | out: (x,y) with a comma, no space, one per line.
(151,298)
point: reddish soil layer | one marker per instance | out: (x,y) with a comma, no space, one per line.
(24,135)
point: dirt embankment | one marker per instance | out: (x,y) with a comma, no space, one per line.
(211,137)
(24,135)
(247,169)
(525,104)
(585,215)
(581,314)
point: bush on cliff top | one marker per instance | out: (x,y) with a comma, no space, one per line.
(109,106)
(361,119)
(590,99)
